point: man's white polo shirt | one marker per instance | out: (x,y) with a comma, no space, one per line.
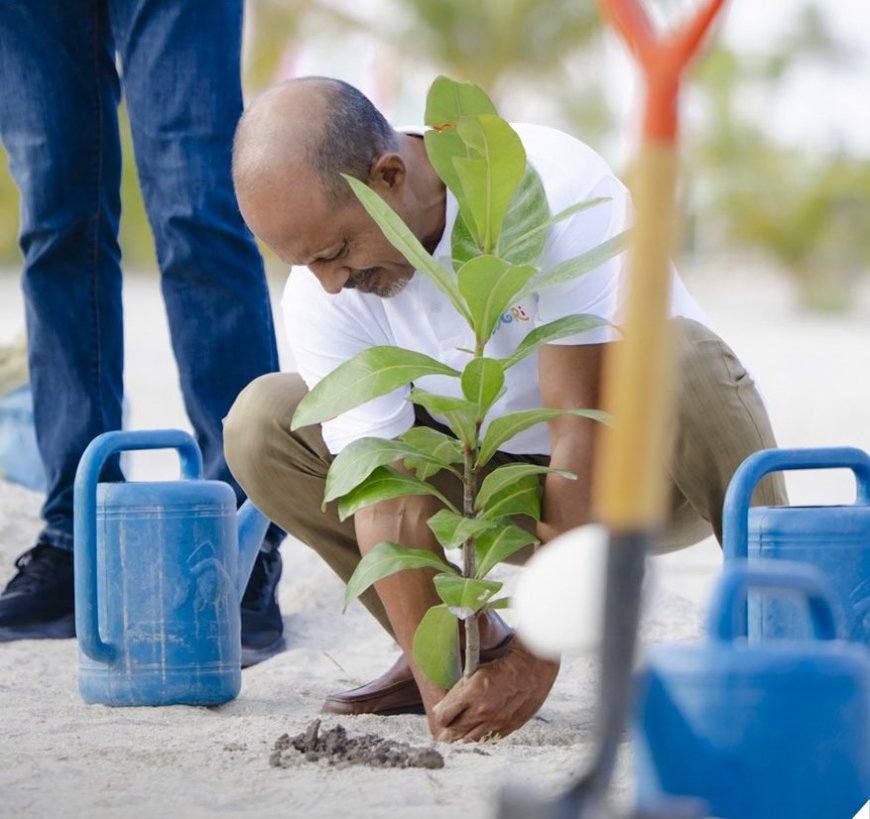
(325,330)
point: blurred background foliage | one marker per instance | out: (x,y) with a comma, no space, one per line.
(804,208)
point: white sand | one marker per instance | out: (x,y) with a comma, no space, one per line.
(60,757)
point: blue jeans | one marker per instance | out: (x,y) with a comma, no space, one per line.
(60,87)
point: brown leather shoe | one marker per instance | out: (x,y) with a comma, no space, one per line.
(395,691)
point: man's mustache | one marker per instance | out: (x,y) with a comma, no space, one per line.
(359,276)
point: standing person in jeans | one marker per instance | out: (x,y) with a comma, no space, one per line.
(63,65)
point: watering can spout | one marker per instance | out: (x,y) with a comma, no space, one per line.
(252,526)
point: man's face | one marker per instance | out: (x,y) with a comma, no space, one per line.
(337,241)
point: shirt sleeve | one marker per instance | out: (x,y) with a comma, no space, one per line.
(326,330)
(597,291)
(572,172)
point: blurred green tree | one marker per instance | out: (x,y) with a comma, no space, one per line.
(807,210)
(9,254)
(495,43)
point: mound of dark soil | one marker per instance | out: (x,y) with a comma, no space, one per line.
(337,748)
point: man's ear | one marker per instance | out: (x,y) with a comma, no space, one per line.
(388,172)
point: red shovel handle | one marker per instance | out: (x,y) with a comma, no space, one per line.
(662,58)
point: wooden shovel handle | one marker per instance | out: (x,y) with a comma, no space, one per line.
(629,485)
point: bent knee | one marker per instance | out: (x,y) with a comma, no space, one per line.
(261,411)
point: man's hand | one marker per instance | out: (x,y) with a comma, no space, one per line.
(500,697)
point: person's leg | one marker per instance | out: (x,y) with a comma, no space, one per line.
(58,122)
(180,63)
(180,73)
(720,420)
(284,472)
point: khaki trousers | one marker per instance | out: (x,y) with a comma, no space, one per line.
(720,419)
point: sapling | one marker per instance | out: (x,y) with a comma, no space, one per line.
(499,235)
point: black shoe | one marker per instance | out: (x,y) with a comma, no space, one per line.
(38,602)
(262,626)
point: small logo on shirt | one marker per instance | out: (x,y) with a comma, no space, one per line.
(510,316)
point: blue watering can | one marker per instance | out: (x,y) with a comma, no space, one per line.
(160,569)
(758,730)
(836,539)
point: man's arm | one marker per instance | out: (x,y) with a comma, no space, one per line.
(503,695)
(407,595)
(570,378)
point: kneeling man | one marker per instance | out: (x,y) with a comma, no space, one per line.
(358,291)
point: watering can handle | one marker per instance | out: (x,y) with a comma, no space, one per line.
(773,575)
(735,513)
(85,518)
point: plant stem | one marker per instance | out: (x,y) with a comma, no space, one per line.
(472,646)
(472,632)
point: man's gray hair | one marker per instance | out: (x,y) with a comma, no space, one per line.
(354,134)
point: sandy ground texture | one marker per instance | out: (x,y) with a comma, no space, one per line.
(61,757)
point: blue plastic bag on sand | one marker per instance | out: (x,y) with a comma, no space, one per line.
(19,456)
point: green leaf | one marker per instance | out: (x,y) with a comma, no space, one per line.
(503,429)
(448,100)
(522,497)
(490,176)
(503,477)
(465,596)
(463,244)
(442,148)
(511,243)
(438,445)
(452,529)
(440,448)
(400,236)
(361,457)
(472,198)
(369,374)
(546,333)
(523,238)
(463,424)
(499,544)
(441,404)
(483,383)
(460,413)
(572,268)
(489,285)
(387,558)
(424,470)
(436,646)
(385,483)
(500,603)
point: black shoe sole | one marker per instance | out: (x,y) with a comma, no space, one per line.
(64,628)
(408,709)
(252,656)
(403,710)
